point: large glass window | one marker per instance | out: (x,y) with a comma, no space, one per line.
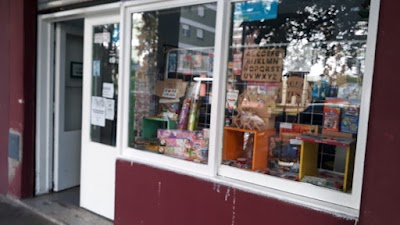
(171,73)
(294,89)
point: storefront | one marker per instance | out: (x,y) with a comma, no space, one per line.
(211,112)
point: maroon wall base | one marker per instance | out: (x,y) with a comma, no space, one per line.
(146,195)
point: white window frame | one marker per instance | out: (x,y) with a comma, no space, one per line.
(303,194)
(150,158)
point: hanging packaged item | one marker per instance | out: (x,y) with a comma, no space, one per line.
(231,99)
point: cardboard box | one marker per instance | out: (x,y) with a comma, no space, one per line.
(170,88)
(295,129)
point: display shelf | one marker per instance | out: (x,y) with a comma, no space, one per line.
(152,124)
(234,141)
(309,156)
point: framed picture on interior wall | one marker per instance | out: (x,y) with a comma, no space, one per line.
(76,70)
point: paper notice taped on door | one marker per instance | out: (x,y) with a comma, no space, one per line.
(100,38)
(98,112)
(110,108)
(108,90)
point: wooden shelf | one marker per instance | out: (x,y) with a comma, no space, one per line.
(309,157)
(233,145)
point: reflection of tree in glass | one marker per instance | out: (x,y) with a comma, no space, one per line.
(311,31)
(320,20)
(146,75)
(147,48)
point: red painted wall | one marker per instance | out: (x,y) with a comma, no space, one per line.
(4,93)
(381,189)
(146,195)
(16,91)
(17,94)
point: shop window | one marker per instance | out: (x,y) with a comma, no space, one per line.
(294,89)
(104,99)
(170,85)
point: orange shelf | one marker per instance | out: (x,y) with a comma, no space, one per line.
(233,145)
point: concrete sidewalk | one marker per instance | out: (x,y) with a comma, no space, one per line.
(14,213)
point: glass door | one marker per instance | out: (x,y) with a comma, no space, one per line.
(100,114)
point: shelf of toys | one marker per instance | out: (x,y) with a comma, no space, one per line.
(293,125)
(179,125)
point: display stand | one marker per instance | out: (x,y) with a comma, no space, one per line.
(152,124)
(233,145)
(309,156)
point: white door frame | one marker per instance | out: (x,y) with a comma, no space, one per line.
(45,88)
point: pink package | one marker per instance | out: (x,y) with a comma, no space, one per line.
(179,134)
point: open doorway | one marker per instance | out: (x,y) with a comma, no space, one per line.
(68,72)
(61,201)
(67,118)
(56,126)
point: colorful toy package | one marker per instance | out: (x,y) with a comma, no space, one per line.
(295,129)
(184,144)
(169,109)
(332,114)
(331,118)
(349,122)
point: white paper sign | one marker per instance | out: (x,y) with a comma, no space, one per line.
(295,142)
(108,90)
(110,108)
(286,126)
(100,38)
(98,112)
(170,93)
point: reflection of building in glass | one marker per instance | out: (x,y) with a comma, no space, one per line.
(197,26)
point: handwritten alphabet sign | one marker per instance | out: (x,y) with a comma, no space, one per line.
(263,64)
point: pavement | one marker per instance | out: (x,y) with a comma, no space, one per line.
(12,212)
(61,208)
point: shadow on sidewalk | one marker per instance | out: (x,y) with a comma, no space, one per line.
(12,213)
